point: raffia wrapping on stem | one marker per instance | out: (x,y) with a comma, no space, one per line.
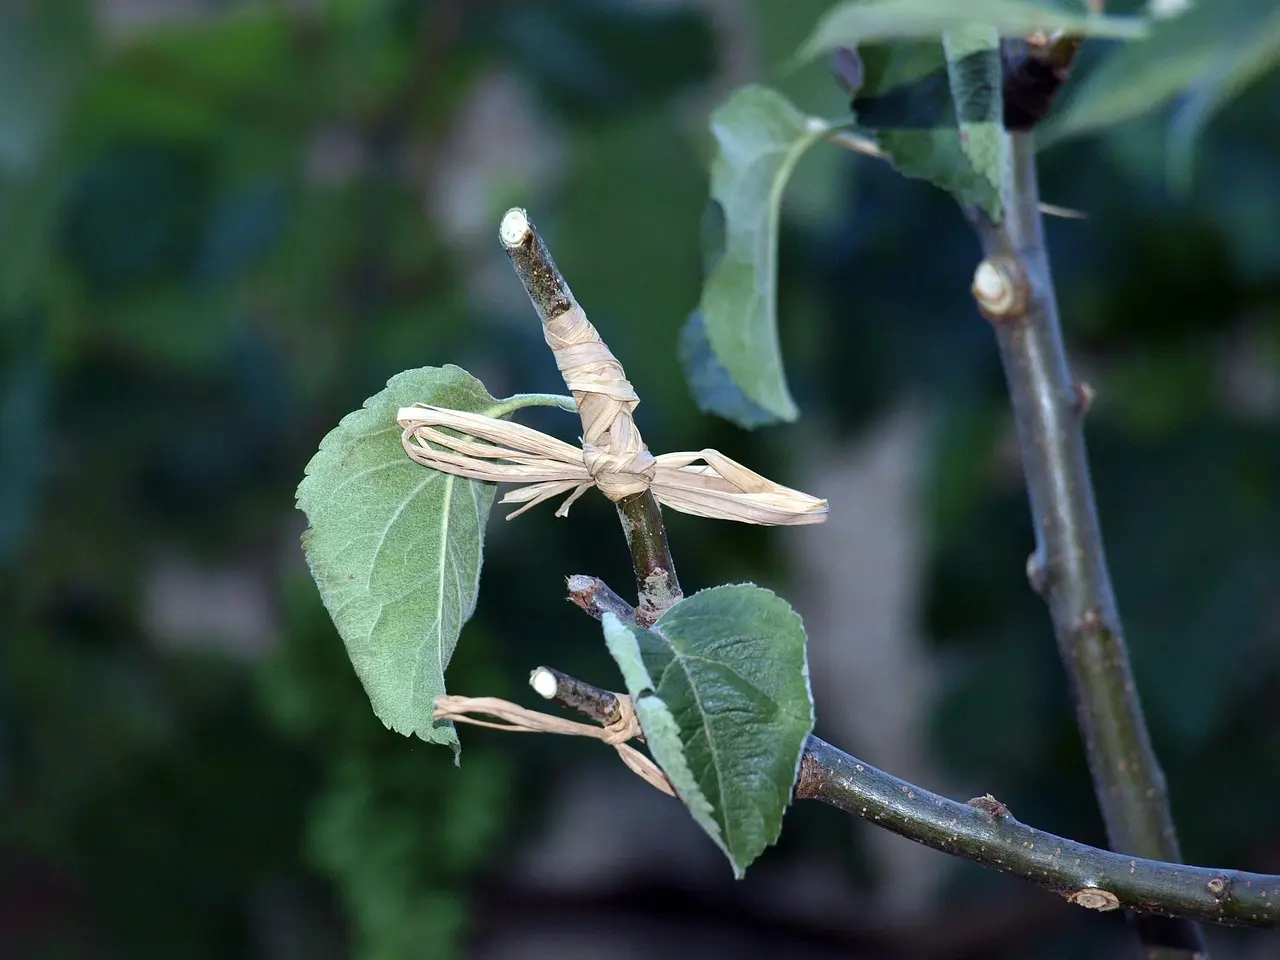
(518,719)
(613,457)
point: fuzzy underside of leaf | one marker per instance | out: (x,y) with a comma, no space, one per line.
(396,549)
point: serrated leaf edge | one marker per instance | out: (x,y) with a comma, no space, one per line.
(620,640)
(498,408)
(660,729)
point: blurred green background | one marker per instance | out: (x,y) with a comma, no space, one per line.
(223,225)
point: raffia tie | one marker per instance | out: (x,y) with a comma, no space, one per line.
(518,719)
(613,457)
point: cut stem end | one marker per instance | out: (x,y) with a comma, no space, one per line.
(514,228)
(544,683)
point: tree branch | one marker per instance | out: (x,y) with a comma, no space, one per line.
(984,831)
(640,514)
(655,571)
(597,598)
(591,701)
(1014,289)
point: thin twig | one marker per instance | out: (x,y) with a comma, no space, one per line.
(591,701)
(597,598)
(640,514)
(984,831)
(655,571)
(1014,287)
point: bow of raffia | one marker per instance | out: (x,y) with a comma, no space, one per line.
(612,456)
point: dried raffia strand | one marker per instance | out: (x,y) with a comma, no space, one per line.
(518,719)
(613,456)
(612,451)
(721,488)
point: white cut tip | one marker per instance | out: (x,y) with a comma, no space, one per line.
(543,682)
(514,227)
(1001,290)
(988,283)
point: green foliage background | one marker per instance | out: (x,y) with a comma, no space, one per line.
(217,237)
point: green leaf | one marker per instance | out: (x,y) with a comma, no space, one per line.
(860,21)
(778,28)
(1230,76)
(1204,44)
(906,101)
(721,688)
(396,548)
(713,389)
(975,71)
(760,137)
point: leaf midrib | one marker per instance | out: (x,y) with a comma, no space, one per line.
(444,547)
(678,658)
